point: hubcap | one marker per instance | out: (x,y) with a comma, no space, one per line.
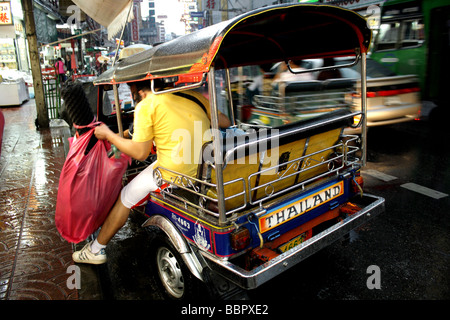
(170,272)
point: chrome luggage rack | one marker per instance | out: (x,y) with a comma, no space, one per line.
(297,105)
(344,158)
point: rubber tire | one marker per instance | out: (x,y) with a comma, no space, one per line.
(173,277)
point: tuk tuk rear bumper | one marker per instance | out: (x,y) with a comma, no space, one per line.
(371,206)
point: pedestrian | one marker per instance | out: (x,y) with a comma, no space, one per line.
(59,66)
(261,84)
(286,75)
(68,64)
(157,119)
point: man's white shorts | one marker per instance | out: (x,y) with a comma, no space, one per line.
(135,193)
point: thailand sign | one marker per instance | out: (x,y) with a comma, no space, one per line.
(282,215)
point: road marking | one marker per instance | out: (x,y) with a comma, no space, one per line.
(424,190)
(410,186)
(379,175)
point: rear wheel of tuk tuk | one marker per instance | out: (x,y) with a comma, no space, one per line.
(175,279)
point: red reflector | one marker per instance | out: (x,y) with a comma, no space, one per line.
(240,239)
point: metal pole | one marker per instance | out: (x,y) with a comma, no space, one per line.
(218,157)
(30,27)
(230,97)
(115,89)
(364,109)
(121,34)
(118,110)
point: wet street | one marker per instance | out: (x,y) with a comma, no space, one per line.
(409,242)
(408,165)
(34,258)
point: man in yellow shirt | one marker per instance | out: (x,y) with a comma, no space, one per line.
(179,126)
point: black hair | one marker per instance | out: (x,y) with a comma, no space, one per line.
(146,84)
(77,104)
(266,67)
(78,108)
(142,85)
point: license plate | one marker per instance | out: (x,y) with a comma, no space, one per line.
(293,243)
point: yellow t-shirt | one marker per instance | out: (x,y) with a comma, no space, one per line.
(178,126)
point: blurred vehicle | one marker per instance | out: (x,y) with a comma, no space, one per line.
(413,38)
(390,98)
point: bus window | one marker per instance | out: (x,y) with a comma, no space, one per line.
(388,36)
(412,33)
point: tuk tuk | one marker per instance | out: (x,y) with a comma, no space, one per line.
(264,200)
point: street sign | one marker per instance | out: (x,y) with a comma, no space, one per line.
(135,25)
(5,13)
(195,14)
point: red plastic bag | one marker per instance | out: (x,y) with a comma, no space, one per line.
(88,188)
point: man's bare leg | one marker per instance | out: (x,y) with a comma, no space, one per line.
(115,220)
(94,252)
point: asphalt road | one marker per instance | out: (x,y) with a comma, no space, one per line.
(402,254)
(409,166)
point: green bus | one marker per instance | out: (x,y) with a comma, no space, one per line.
(414,38)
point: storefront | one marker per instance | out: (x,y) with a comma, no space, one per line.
(14,64)
(7,37)
(13,44)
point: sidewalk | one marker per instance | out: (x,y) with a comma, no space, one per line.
(34,258)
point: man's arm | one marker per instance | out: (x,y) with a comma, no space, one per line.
(136,150)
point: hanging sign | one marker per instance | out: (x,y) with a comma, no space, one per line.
(135,25)
(5,13)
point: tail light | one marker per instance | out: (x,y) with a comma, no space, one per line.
(419,114)
(357,184)
(356,120)
(240,239)
(369,94)
(388,92)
